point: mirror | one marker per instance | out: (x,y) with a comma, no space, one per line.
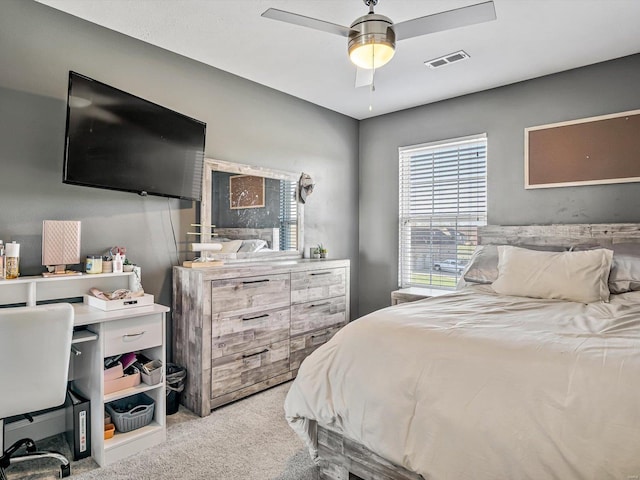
(256,205)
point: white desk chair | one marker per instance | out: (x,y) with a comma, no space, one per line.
(35,347)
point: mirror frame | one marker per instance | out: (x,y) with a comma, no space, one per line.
(211,165)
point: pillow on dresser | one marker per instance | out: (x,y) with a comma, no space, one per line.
(573,276)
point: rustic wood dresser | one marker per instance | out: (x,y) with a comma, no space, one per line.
(241,328)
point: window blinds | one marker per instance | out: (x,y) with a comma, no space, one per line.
(288,215)
(443,201)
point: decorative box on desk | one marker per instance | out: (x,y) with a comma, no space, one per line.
(108,305)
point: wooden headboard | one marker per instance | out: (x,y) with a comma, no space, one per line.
(567,235)
(269,235)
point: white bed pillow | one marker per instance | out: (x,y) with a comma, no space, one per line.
(251,246)
(625,266)
(232,246)
(574,276)
(483,265)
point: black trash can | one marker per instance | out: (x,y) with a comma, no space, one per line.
(176,376)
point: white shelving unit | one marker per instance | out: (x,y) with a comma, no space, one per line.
(100,334)
(138,329)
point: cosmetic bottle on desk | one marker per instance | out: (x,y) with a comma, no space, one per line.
(2,260)
(12,260)
(117,263)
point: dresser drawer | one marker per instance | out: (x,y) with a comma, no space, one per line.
(239,333)
(303,345)
(306,317)
(317,284)
(131,334)
(233,372)
(249,294)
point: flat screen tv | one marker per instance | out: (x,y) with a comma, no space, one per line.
(118,141)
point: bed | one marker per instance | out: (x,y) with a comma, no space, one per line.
(486,383)
(244,244)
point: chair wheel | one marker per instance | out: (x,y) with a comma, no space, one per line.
(65,470)
(30,445)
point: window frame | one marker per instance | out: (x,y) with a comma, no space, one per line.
(453,229)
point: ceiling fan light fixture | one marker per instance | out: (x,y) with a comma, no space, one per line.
(371,55)
(372,41)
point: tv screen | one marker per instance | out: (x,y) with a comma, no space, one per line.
(118,141)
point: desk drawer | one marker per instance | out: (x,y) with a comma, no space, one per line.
(249,294)
(233,372)
(306,317)
(239,333)
(131,334)
(317,284)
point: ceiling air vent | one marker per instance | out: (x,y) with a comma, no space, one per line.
(447,59)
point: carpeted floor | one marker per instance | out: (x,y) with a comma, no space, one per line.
(246,440)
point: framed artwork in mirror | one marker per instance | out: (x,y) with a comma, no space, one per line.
(246,191)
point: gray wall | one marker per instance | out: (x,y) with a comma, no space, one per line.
(246,123)
(502,113)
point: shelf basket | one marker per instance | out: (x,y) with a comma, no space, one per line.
(131,412)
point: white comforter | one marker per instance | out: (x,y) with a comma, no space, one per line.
(474,385)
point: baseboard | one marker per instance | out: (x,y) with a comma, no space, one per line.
(43,426)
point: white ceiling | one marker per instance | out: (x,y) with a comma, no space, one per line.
(530,38)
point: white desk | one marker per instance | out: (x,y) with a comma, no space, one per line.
(100,334)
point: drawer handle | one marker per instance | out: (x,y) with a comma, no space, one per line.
(254,354)
(133,336)
(313,305)
(264,315)
(321,273)
(320,338)
(256,281)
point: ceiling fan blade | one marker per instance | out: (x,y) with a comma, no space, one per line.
(438,22)
(364,77)
(309,22)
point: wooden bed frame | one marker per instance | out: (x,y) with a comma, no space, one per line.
(340,458)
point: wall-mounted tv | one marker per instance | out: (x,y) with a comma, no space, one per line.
(119,141)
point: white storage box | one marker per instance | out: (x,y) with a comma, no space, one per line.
(107,305)
(155,372)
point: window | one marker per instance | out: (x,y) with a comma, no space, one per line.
(443,201)
(288,215)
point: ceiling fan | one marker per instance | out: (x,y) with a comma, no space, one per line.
(372,37)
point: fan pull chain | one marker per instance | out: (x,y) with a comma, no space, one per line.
(371,90)
(373,76)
